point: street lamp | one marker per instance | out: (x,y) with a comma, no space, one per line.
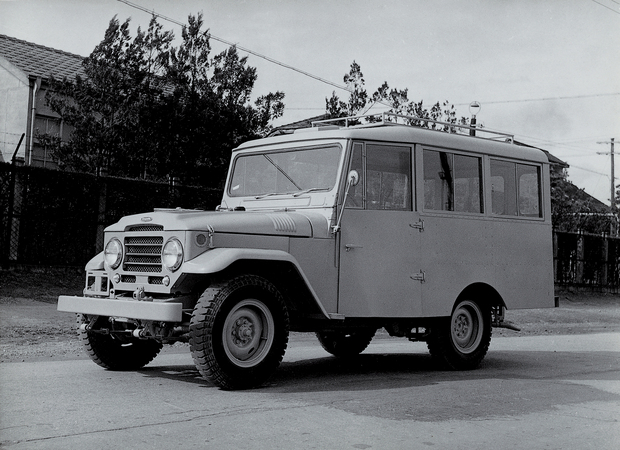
(474,108)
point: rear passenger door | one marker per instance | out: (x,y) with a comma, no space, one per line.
(380,237)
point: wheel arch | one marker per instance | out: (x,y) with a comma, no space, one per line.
(279,267)
(483,293)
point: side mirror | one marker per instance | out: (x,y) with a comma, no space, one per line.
(354,178)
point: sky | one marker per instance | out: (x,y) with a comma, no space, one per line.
(547,71)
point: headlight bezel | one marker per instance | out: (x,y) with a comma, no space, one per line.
(116,254)
(172,254)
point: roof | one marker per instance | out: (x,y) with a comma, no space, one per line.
(38,60)
(403,134)
(307,123)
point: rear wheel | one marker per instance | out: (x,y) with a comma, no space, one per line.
(117,352)
(239,332)
(346,343)
(462,341)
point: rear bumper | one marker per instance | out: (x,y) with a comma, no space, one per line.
(132,309)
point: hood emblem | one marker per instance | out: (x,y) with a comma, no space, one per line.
(146,219)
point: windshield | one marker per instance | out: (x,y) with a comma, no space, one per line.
(285,172)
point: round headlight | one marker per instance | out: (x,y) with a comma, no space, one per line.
(113,253)
(172,254)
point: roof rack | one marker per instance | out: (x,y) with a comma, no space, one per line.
(392,119)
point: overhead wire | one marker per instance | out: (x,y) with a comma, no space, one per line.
(605,6)
(244,49)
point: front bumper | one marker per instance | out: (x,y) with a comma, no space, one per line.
(131,309)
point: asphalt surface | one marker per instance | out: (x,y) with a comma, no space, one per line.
(531,392)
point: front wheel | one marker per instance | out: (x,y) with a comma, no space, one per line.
(239,332)
(463,341)
(117,352)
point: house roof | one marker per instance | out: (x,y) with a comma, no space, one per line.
(554,160)
(38,60)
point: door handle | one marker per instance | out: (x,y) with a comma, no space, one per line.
(348,247)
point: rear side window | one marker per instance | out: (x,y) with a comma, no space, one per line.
(515,189)
(452,182)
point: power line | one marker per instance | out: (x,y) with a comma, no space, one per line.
(567,97)
(605,6)
(247,50)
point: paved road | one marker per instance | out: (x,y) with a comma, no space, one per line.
(546,392)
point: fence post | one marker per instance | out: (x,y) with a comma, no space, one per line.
(605,262)
(101,213)
(579,260)
(14,216)
(555,257)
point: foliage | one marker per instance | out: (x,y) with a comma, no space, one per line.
(397,100)
(145,109)
(573,210)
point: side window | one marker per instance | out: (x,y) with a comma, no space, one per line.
(515,189)
(385,173)
(529,190)
(452,182)
(503,188)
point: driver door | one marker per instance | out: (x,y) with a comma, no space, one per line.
(380,237)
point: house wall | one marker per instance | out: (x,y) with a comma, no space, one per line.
(14,94)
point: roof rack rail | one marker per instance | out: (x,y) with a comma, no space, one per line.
(388,118)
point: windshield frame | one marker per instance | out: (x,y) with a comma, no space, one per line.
(290,147)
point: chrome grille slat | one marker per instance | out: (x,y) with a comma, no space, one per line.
(143,254)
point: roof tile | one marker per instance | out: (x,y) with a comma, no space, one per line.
(40,61)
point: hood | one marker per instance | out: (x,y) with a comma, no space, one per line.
(306,224)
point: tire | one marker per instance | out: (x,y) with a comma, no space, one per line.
(462,342)
(345,343)
(116,353)
(239,332)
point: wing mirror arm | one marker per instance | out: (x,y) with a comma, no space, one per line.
(352,180)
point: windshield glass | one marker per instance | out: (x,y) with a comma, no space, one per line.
(285,172)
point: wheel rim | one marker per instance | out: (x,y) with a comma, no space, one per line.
(466,327)
(248,333)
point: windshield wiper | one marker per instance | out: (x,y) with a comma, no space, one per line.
(282,171)
(267,195)
(305,191)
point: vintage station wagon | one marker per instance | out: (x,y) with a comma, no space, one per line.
(339,230)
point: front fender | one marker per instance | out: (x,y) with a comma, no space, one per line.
(218,259)
(95,263)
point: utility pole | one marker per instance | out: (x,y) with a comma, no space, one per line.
(613,183)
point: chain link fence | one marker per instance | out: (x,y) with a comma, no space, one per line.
(55,218)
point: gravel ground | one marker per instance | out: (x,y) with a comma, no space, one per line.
(31,329)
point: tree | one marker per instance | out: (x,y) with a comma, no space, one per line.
(397,100)
(147,109)
(573,210)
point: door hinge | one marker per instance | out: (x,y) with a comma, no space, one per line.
(421,277)
(419,225)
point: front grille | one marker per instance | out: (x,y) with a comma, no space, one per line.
(145,228)
(156,280)
(143,254)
